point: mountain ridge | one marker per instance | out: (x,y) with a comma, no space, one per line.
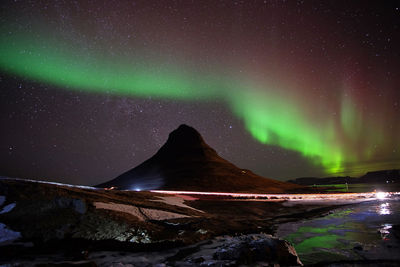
(380,176)
(187,162)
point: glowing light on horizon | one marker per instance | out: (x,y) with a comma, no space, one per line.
(381,195)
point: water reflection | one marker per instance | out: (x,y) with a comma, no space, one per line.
(384,209)
(385,231)
(355,232)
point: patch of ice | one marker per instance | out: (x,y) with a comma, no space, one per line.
(133,210)
(160,215)
(7,234)
(142,214)
(8,208)
(141,237)
(187,197)
(2,200)
(202,231)
(176,201)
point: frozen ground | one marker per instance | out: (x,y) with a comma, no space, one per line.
(143,214)
(243,250)
(7,235)
(177,201)
(106,226)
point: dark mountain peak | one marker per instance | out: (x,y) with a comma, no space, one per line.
(186,162)
(185,135)
(187,141)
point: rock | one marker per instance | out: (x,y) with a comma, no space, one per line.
(69,264)
(77,204)
(199,260)
(69,219)
(250,249)
(2,200)
(396,231)
(7,235)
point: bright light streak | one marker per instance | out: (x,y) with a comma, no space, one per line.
(381,195)
(52,183)
(296,197)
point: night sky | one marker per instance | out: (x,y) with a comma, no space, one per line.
(90,89)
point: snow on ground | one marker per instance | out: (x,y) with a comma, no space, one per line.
(7,208)
(133,210)
(7,234)
(142,214)
(187,197)
(176,201)
(160,215)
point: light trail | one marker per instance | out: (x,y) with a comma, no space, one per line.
(244,196)
(329,196)
(52,183)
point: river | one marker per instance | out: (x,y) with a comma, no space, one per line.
(363,231)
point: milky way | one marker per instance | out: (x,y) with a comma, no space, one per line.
(314,84)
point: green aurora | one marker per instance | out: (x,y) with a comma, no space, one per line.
(271,116)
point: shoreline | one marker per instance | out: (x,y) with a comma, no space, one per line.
(81,251)
(75,224)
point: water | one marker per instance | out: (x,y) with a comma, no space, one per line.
(360,231)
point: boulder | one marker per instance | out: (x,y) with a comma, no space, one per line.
(255,248)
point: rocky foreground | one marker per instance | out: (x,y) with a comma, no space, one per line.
(43,223)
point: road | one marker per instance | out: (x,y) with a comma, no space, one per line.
(293,197)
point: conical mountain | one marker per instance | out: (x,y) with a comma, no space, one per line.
(186,162)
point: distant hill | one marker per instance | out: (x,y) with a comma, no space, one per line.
(324,181)
(375,177)
(186,162)
(383,176)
